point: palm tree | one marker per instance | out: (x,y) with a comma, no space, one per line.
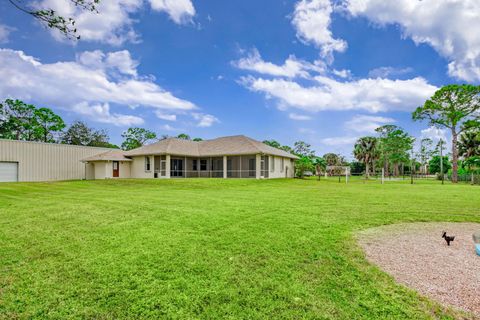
(365,150)
(319,164)
(469,144)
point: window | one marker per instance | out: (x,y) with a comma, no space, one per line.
(272,164)
(282,164)
(203,165)
(147,164)
(194,165)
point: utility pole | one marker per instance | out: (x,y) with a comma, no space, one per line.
(441,160)
(411,168)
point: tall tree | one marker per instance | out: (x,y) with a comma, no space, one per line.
(320,164)
(287,149)
(17,120)
(51,18)
(364,150)
(425,152)
(303,149)
(47,124)
(273,143)
(137,137)
(80,134)
(393,147)
(453,107)
(332,159)
(303,165)
(22,121)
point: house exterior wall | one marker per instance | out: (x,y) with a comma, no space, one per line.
(125,169)
(47,161)
(279,171)
(104,169)
(100,172)
(289,168)
(137,168)
(89,171)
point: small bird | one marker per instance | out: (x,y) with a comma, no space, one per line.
(447,238)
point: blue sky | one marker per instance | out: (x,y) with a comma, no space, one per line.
(322,71)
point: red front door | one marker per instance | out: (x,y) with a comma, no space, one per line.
(116,169)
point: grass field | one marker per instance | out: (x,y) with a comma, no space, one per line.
(211,249)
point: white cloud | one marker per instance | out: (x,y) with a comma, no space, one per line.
(119,61)
(372,95)
(366,123)
(342,73)
(448,26)
(5,33)
(101,113)
(312,19)
(113,24)
(437,134)
(67,84)
(204,120)
(123,62)
(386,72)
(335,141)
(291,68)
(165,116)
(300,117)
(180,11)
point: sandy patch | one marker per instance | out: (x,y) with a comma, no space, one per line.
(416,255)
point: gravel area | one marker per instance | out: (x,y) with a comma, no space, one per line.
(416,255)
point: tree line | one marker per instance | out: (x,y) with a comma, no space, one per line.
(22,121)
(453,107)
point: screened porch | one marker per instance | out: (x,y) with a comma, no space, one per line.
(244,166)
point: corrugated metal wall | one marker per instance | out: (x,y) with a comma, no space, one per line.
(46,161)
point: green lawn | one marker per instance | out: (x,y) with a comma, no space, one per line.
(211,249)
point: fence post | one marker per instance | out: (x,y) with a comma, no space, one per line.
(383,175)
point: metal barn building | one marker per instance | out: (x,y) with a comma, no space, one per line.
(37,161)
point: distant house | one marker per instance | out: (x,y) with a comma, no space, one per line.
(226,157)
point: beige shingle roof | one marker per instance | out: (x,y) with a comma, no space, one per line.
(112,155)
(233,145)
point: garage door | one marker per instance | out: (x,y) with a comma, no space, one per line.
(8,171)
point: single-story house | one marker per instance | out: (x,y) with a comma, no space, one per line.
(225,157)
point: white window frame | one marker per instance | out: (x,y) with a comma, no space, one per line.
(282,164)
(272,164)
